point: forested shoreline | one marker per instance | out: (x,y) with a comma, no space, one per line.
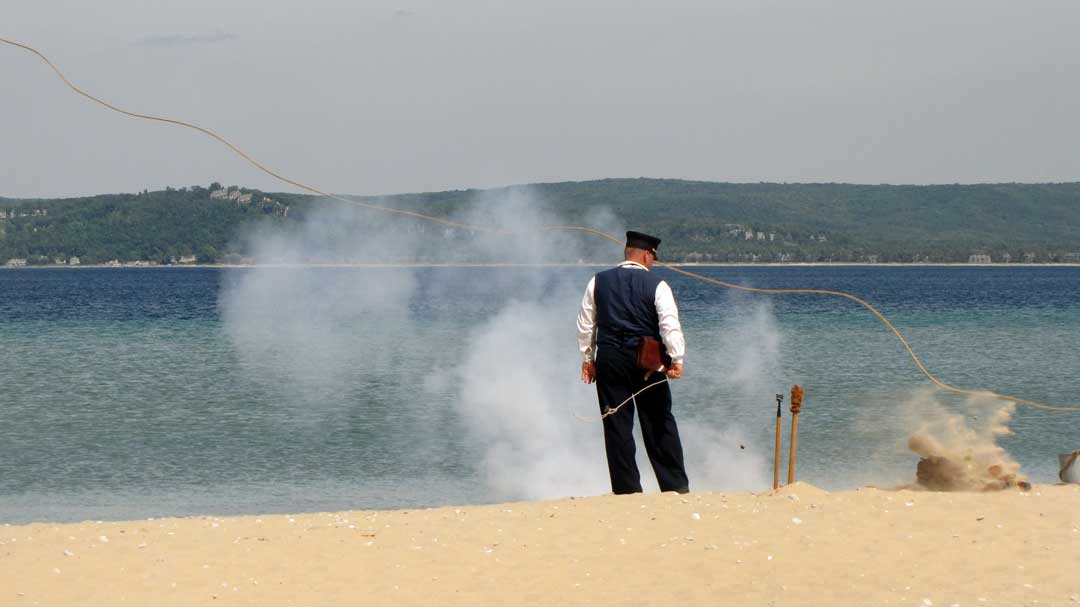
(699,222)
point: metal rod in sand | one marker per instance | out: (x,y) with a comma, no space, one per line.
(776,456)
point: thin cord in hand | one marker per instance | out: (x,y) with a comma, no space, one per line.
(613,410)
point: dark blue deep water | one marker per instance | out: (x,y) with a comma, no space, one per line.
(145,392)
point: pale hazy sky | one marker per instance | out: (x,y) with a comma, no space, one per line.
(417,95)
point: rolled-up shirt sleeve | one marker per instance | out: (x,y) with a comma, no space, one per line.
(586,322)
(670,328)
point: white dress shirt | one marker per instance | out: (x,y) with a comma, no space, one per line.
(670,329)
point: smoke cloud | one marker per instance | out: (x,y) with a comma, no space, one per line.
(731,366)
(473,367)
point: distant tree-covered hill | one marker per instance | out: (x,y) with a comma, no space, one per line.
(163,226)
(699,221)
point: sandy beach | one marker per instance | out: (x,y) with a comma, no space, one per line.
(798,546)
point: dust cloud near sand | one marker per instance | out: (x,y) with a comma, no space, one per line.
(960,452)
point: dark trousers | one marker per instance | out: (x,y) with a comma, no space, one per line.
(617,377)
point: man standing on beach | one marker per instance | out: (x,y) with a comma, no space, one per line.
(622,307)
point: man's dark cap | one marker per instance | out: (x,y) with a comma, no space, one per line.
(638,240)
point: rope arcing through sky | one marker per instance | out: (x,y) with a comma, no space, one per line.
(478,228)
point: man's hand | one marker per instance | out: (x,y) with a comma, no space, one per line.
(588,371)
(675,372)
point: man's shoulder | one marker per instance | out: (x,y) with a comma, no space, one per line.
(652,279)
(607,274)
(623,273)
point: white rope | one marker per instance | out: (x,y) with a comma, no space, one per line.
(613,410)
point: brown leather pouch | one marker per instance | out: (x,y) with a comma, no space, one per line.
(652,355)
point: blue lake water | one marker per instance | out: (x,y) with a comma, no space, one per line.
(131,393)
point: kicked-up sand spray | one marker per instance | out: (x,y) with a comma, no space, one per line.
(954,456)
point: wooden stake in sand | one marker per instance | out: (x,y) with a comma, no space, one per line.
(796,405)
(776,457)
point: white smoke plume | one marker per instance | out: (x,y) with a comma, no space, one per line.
(353,342)
(734,367)
(518,388)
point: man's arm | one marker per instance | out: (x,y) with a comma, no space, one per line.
(670,328)
(586,332)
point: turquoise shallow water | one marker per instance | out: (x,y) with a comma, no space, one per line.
(137,393)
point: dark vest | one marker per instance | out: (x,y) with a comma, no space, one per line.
(625,300)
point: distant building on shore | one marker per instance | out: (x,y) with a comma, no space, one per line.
(979,258)
(219,194)
(12,213)
(17,262)
(74,261)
